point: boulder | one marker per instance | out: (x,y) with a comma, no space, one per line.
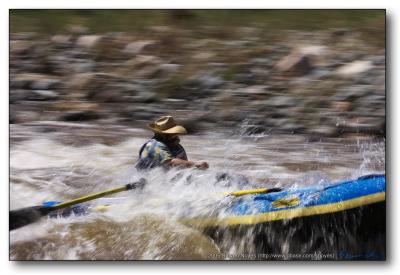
(32,95)
(204,56)
(44,95)
(323,131)
(314,50)
(354,68)
(20,47)
(368,125)
(168,69)
(133,67)
(294,64)
(138,47)
(70,105)
(83,67)
(18,95)
(341,106)
(33,81)
(146,67)
(61,40)
(80,81)
(206,81)
(88,41)
(281,101)
(46,84)
(255,91)
(24,116)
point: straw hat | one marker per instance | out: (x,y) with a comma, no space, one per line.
(167,125)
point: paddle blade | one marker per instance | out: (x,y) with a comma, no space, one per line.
(25,216)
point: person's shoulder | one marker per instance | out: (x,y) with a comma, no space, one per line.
(158,144)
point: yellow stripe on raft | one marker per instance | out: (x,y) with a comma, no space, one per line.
(246,192)
(286,214)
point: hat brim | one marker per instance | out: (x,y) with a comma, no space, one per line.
(174,130)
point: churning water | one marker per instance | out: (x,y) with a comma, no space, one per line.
(62,161)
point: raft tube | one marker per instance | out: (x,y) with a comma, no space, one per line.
(345,220)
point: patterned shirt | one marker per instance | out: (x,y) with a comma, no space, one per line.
(155,153)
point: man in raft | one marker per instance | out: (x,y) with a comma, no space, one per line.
(163,149)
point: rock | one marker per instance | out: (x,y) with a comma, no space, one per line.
(345,57)
(281,101)
(28,80)
(74,106)
(107,94)
(337,33)
(80,81)
(238,44)
(45,84)
(148,72)
(378,60)
(246,78)
(354,68)
(341,106)
(44,95)
(88,41)
(61,40)
(294,64)
(133,67)
(169,69)
(20,47)
(324,130)
(138,47)
(256,91)
(32,95)
(121,92)
(83,67)
(17,95)
(373,125)
(203,56)
(25,116)
(314,50)
(350,93)
(145,97)
(80,116)
(201,43)
(206,81)
(12,119)
(320,73)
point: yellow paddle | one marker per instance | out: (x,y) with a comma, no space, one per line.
(28,215)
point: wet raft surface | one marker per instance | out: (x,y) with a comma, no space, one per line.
(46,165)
(344,220)
(356,234)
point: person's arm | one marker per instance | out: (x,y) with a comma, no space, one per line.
(187,163)
(166,158)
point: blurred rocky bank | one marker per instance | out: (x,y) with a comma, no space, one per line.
(325,83)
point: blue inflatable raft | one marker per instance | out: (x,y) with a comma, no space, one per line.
(301,202)
(341,221)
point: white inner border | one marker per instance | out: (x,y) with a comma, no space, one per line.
(97,268)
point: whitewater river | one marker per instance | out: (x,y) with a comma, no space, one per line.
(61,161)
